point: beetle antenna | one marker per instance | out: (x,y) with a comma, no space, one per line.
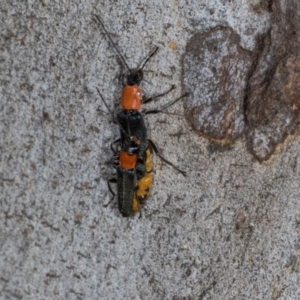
(152,53)
(105,104)
(111,40)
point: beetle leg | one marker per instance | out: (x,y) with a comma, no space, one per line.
(159,95)
(156,111)
(155,149)
(111,180)
(115,151)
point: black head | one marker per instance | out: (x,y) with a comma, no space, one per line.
(135,77)
(130,147)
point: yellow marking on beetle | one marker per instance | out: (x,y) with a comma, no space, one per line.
(144,184)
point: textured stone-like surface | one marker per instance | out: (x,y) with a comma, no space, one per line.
(273,102)
(215,70)
(229,230)
(232,89)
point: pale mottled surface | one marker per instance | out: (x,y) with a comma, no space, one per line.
(57,239)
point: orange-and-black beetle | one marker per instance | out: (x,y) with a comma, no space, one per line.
(131,191)
(134,169)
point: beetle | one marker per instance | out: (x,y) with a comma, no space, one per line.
(132,193)
(126,178)
(134,184)
(130,119)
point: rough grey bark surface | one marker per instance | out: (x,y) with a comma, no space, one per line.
(215,73)
(229,230)
(257,92)
(273,103)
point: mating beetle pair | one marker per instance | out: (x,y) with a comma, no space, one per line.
(134,160)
